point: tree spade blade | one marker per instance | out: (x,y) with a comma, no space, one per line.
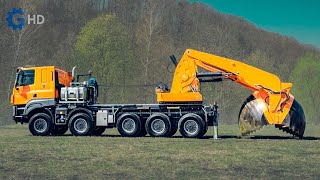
(251,115)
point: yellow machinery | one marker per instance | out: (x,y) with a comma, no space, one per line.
(38,83)
(53,101)
(270,103)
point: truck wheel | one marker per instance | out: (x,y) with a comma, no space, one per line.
(173,132)
(59,130)
(98,131)
(81,124)
(191,126)
(40,124)
(158,125)
(129,125)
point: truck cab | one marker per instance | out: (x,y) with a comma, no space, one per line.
(36,87)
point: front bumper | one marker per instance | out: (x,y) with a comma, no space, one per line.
(17,114)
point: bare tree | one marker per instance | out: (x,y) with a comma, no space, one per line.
(148,36)
(22,41)
(151,26)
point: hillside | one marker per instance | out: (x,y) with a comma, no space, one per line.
(148,32)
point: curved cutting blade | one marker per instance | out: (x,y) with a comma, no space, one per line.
(251,115)
(295,121)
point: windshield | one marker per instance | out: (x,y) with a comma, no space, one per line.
(25,78)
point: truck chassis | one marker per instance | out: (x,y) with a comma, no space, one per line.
(47,117)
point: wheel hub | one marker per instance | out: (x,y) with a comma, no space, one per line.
(191,127)
(158,126)
(128,125)
(40,125)
(80,125)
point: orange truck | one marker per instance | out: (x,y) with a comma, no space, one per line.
(52,101)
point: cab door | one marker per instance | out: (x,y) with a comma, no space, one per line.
(24,87)
(45,83)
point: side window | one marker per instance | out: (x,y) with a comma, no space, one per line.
(26,78)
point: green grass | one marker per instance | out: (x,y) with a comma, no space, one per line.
(278,156)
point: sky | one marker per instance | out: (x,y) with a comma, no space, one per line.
(299,19)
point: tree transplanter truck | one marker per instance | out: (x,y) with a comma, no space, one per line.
(52,101)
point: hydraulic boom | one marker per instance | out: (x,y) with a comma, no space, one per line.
(270,103)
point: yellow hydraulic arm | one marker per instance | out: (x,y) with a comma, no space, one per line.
(272,97)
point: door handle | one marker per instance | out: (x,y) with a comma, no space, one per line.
(35,95)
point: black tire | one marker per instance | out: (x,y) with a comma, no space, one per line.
(158,125)
(173,131)
(174,127)
(59,130)
(98,131)
(143,132)
(40,124)
(129,125)
(191,126)
(81,124)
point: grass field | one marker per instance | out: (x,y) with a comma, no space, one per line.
(262,156)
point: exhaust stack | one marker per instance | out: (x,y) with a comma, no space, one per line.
(73,71)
